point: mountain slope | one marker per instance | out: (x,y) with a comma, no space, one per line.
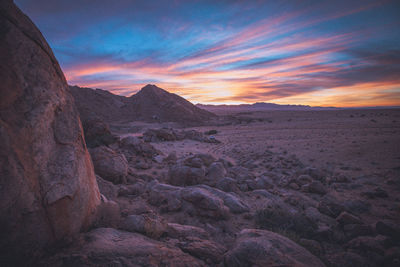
(151,103)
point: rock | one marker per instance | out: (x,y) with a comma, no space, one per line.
(207,204)
(206,158)
(180,231)
(314,215)
(171,158)
(277,215)
(348,259)
(227,184)
(109,164)
(132,144)
(48,190)
(347,218)
(330,205)
(194,162)
(367,244)
(215,172)
(157,135)
(265,248)
(107,188)
(132,189)
(205,250)
(315,187)
(147,224)
(240,174)
(314,173)
(97,133)
(357,206)
(183,175)
(294,186)
(300,201)
(108,213)
(311,245)
(388,228)
(260,183)
(392,257)
(234,203)
(303,179)
(167,197)
(355,230)
(376,193)
(111,247)
(159,159)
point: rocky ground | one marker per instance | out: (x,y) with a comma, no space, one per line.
(285,188)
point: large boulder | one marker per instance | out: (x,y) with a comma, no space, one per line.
(265,248)
(109,164)
(184,175)
(133,145)
(48,190)
(97,132)
(110,247)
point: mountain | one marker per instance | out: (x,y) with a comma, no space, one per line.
(259,106)
(150,104)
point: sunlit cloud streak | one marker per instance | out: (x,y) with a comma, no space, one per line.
(341,53)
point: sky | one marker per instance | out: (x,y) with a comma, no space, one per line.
(319,53)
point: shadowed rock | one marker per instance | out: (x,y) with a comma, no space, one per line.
(265,248)
(110,247)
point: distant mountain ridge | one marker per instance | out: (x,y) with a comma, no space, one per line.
(262,106)
(151,104)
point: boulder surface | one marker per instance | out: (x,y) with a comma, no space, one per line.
(48,190)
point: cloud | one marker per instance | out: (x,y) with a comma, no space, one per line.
(228,51)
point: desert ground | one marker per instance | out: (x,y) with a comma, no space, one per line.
(353,155)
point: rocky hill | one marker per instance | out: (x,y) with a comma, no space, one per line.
(151,104)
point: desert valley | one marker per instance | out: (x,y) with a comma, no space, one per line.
(90,178)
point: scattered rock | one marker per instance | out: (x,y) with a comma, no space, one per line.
(111,247)
(132,144)
(215,172)
(109,164)
(265,248)
(205,250)
(376,193)
(347,218)
(206,203)
(184,175)
(355,230)
(388,228)
(97,133)
(227,184)
(147,224)
(311,245)
(348,259)
(167,197)
(107,188)
(367,244)
(180,231)
(108,213)
(330,205)
(315,187)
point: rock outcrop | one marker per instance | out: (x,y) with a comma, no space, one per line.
(48,190)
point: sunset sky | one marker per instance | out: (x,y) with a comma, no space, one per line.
(320,53)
